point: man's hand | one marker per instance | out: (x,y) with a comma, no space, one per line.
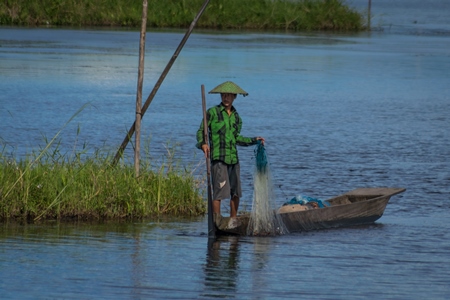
(205,149)
(261,139)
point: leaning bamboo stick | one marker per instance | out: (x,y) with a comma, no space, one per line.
(158,83)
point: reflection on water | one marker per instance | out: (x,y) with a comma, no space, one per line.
(338,111)
(221,269)
(225,272)
(174,259)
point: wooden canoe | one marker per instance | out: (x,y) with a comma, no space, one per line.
(359,206)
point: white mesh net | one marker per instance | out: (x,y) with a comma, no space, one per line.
(263,218)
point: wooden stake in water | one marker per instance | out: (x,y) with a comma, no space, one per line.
(137,150)
(211,225)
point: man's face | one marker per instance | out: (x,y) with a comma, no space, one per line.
(227,99)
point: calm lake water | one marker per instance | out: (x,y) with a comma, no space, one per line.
(338,111)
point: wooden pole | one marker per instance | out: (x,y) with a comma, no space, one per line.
(368,15)
(137,150)
(158,83)
(211,226)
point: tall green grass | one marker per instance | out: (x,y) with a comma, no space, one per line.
(86,187)
(83,185)
(220,14)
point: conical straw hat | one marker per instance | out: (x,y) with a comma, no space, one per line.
(228,87)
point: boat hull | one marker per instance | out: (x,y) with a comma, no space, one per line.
(360,206)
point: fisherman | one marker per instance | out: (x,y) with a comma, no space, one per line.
(224,132)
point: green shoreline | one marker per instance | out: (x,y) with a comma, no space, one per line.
(306,15)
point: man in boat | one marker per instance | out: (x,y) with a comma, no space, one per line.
(224,131)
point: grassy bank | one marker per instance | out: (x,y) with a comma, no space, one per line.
(220,14)
(54,186)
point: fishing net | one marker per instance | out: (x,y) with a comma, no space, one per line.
(263,217)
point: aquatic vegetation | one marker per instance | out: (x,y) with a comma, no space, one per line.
(82,184)
(55,186)
(220,14)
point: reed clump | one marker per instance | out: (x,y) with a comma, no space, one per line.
(87,187)
(220,14)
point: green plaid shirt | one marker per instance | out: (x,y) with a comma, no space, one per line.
(224,134)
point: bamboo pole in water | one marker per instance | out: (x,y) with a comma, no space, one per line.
(211,226)
(368,14)
(158,83)
(137,150)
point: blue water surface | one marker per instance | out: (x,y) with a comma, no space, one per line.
(338,111)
